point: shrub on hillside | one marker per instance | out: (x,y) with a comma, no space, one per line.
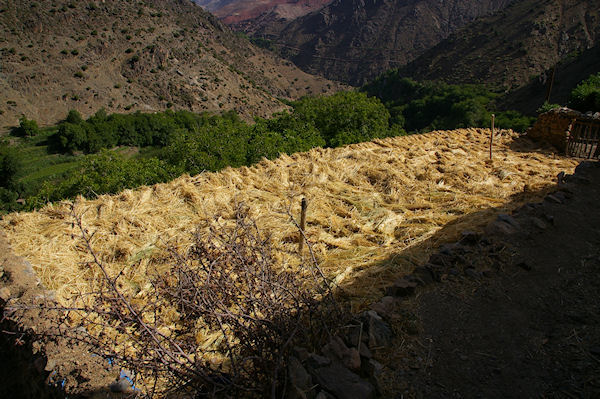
(27,127)
(284,134)
(514,120)
(10,165)
(586,96)
(547,107)
(106,172)
(344,118)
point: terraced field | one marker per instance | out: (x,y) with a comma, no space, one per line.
(374,209)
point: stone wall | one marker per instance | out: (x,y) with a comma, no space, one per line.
(552,126)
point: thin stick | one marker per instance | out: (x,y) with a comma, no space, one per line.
(302,225)
(492,136)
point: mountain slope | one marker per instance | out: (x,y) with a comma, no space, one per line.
(355,40)
(514,46)
(237,12)
(567,75)
(126,56)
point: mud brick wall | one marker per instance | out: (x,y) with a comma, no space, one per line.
(552,126)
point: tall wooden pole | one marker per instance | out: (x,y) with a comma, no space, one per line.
(302,225)
(492,136)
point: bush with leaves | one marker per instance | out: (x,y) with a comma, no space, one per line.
(27,127)
(344,118)
(106,172)
(10,166)
(547,107)
(586,96)
(285,133)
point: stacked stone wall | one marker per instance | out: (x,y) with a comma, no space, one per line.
(552,126)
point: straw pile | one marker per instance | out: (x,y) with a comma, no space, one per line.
(375,209)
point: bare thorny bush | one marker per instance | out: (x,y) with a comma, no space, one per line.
(228,288)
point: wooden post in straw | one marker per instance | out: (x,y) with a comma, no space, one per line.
(492,136)
(302,225)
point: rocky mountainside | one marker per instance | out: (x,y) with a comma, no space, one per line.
(127,56)
(516,46)
(567,75)
(355,40)
(249,14)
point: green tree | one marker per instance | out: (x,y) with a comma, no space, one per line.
(74,117)
(10,165)
(283,134)
(106,172)
(27,127)
(345,117)
(586,96)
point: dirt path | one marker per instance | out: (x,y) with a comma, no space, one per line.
(530,326)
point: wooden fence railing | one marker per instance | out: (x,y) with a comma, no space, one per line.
(583,139)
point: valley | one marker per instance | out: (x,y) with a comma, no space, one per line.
(299,198)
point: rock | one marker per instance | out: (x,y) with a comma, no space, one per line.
(356,333)
(300,379)
(401,287)
(553,198)
(300,352)
(375,371)
(315,361)
(561,195)
(385,306)
(469,237)
(436,271)
(122,385)
(508,219)
(537,222)
(343,383)
(324,395)
(380,333)
(424,275)
(364,351)
(499,227)
(5,294)
(336,349)
(50,365)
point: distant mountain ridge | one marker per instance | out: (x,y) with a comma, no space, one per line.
(128,56)
(515,46)
(356,40)
(244,12)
